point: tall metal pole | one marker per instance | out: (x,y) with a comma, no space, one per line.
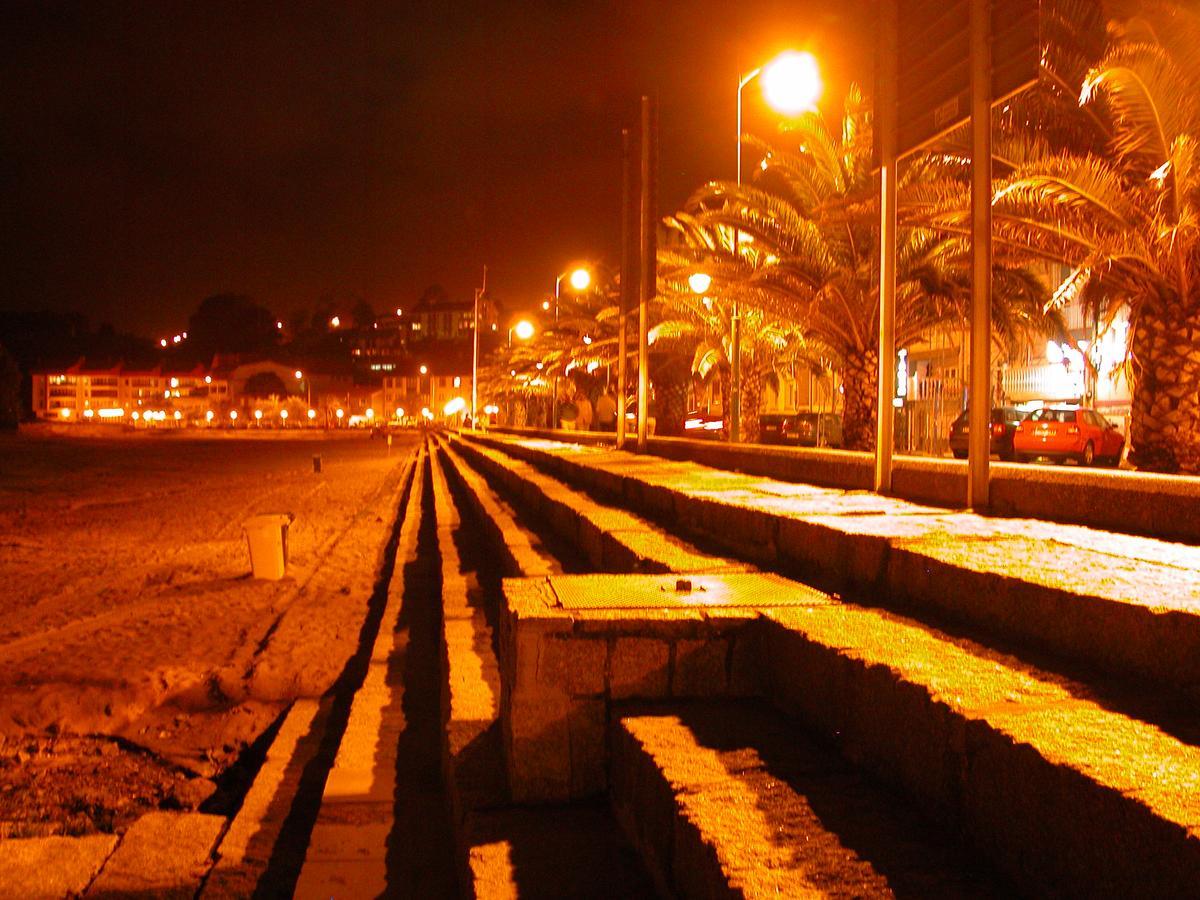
(627,277)
(735,325)
(648,268)
(479,291)
(979,399)
(885,121)
(554,395)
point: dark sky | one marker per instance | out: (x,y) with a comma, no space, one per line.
(154,153)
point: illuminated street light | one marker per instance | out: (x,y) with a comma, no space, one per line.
(699,282)
(424,370)
(233,415)
(792,83)
(524,329)
(399,311)
(279,326)
(545,306)
(340,412)
(370,413)
(399,412)
(283,414)
(299,375)
(162,342)
(208,379)
(312,414)
(336,322)
(208,416)
(580,279)
(258,414)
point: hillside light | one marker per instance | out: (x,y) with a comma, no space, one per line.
(699,282)
(336,322)
(792,83)
(162,342)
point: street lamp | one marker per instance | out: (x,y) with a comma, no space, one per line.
(699,282)
(791,85)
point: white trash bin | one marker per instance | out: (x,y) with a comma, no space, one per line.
(267,537)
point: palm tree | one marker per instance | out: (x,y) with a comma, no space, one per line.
(809,222)
(1127,222)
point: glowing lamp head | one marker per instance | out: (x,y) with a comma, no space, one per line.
(65,413)
(370,413)
(336,322)
(545,305)
(283,414)
(87,413)
(523,329)
(424,370)
(299,374)
(258,414)
(699,282)
(136,415)
(162,342)
(312,414)
(399,412)
(580,279)
(208,379)
(340,412)
(454,407)
(399,311)
(426,413)
(208,416)
(178,415)
(279,326)
(792,83)
(233,415)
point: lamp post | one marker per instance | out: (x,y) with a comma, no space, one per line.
(791,85)
(580,280)
(479,292)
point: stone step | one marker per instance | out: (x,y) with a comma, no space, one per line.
(732,800)
(610,539)
(1066,792)
(1124,604)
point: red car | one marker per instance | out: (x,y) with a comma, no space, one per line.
(1077,433)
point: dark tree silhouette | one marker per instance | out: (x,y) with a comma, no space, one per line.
(265,384)
(10,391)
(230,323)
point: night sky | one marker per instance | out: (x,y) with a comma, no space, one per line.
(155,153)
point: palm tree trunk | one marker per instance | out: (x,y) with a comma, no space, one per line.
(752,385)
(859,374)
(1165,426)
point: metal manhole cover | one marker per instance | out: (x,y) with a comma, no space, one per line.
(741,590)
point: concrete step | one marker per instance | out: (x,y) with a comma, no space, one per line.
(1127,605)
(1066,792)
(609,538)
(732,800)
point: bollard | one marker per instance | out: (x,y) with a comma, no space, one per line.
(317,463)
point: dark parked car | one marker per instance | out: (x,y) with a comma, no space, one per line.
(1005,420)
(1067,432)
(803,429)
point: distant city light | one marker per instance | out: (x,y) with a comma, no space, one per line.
(162,342)
(176,339)
(185,335)
(336,321)
(279,325)
(399,311)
